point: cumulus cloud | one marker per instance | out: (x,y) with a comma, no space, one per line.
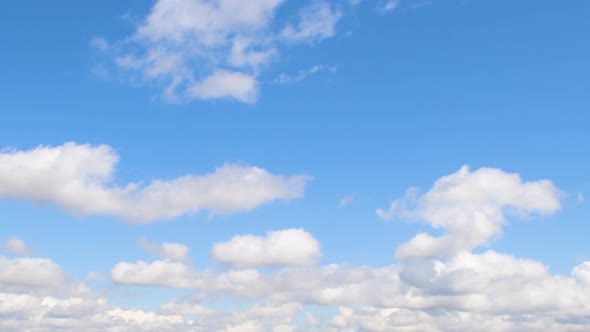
(315,22)
(16,246)
(211,49)
(163,273)
(39,276)
(224,83)
(167,250)
(303,74)
(470,207)
(78,178)
(285,247)
(463,290)
(582,273)
(498,288)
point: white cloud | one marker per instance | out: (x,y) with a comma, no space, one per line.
(224,83)
(389,213)
(210,49)
(390,5)
(16,246)
(78,178)
(158,273)
(470,207)
(167,250)
(344,201)
(303,74)
(315,22)
(580,197)
(497,288)
(36,276)
(488,291)
(286,247)
(582,273)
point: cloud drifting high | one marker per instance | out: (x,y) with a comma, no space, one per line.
(78,178)
(210,49)
(470,208)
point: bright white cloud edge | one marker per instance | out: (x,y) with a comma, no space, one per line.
(78,178)
(487,291)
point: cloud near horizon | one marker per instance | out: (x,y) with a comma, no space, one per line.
(487,291)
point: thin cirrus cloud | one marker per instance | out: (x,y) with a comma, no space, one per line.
(199,49)
(78,178)
(470,206)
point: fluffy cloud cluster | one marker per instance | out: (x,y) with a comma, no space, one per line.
(458,291)
(485,292)
(470,207)
(78,178)
(209,49)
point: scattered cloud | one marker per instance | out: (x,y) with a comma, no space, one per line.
(303,74)
(344,201)
(211,49)
(389,5)
(315,22)
(486,291)
(495,287)
(582,273)
(78,178)
(17,246)
(39,276)
(470,207)
(580,197)
(167,250)
(100,44)
(224,83)
(389,213)
(277,248)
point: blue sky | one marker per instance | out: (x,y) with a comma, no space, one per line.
(322,112)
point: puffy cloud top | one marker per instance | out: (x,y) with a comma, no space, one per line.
(470,207)
(285,247)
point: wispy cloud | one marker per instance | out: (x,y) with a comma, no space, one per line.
(201,49)
(303,74)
